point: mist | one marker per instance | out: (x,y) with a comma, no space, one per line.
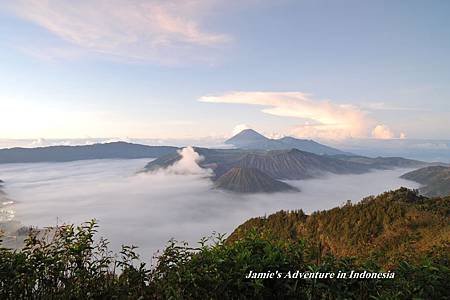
(147,209)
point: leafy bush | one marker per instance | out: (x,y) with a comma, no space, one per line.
(67,263)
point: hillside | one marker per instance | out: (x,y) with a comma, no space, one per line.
(285,164)
(279,164)
(383,162)
(436,180)
(1,188)
(393,225)
(113,150)
(68,262)
(290,164)
(296,164)
(250,139)
(247,180)
(394,246)
(269,166)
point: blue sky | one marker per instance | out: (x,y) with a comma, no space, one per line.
(193,68)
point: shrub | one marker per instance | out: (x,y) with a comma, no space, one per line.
(68,263)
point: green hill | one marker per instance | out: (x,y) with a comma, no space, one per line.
(436,180)
(392,226)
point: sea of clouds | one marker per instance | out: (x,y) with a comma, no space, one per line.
(147,209)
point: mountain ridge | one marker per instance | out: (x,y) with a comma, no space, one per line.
(251,139)
(113,150)
(292,164)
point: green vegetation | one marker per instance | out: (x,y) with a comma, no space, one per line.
(436,180)
(68,262)
(394,226)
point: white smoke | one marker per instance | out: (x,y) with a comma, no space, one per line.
(188,164)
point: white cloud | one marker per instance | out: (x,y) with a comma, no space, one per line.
(322,118)
(382,132)
(158,30)
(390,107)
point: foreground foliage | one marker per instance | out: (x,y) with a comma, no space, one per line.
(394,226)
(69,262)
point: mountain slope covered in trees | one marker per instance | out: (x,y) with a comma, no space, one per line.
(436,180)
(393,225)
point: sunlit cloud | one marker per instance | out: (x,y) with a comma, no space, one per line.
(389,107)
(382,132)
(163,31)
(321,118)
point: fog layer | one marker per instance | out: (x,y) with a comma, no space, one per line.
(148,209)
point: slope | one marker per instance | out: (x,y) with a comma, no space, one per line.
(436,180)
(392,225)
(247,180)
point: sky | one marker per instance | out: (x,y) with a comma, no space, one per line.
(328,70)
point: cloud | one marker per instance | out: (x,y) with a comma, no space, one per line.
(382,132)
(148,209)
(127,29)
(389,107)
(322,118)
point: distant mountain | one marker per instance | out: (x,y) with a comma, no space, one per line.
(247,180)
(220,160)
(384,162)
(113,150)
(286,164)
(2,197)
(436,180)
(290,164)
(278,164)
(250,139)
(296,164)
(246,137)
